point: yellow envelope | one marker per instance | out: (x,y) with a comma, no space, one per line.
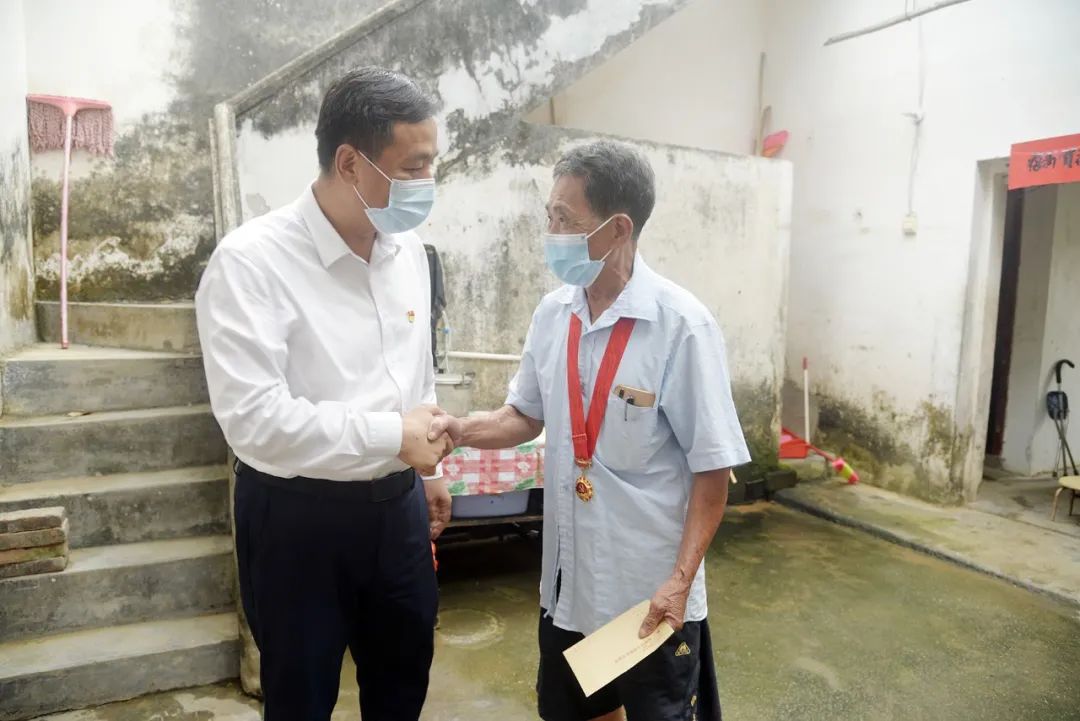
(601,657)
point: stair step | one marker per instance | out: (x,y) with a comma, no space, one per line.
(45,447)
(128,583)
(43,380)
(87,668)
(143,326)
(132,507)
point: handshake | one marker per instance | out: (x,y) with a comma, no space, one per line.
(428,435)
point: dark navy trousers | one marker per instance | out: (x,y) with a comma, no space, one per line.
(321,571)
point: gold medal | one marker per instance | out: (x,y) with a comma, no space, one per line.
(583,487)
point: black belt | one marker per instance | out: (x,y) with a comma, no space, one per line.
(381,489)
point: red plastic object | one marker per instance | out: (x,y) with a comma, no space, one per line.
(773,144)
(845,470)
(791,446)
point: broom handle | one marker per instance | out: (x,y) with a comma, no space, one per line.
(806,398)
(69,119)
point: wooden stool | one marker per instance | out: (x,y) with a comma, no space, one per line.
(1073,484)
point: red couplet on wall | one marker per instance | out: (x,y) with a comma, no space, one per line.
(1045,162)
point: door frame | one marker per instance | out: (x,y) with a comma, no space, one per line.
(976,360)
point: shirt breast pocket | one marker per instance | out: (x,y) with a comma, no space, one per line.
(628,437)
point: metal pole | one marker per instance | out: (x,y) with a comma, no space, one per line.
(68,121)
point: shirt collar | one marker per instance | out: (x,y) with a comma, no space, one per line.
(637,299)
(328,242)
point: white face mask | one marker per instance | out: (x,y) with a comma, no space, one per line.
(409,205)
(567,254)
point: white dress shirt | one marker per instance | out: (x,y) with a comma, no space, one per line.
(616,550)
(312,354)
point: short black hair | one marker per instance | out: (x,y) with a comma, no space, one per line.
(618,179)
(361,107)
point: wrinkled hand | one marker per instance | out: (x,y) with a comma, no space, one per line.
(417,450)
(447,424)
(669,604)
(438,503)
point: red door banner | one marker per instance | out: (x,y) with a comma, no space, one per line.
(1045,162)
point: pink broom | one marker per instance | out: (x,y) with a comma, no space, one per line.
(72,124)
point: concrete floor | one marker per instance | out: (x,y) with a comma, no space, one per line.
(1028,500)
(811,621)
(1026,554)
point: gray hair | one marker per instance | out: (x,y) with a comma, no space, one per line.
(360,110)
(617,178)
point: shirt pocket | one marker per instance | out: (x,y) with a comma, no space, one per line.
(628,437)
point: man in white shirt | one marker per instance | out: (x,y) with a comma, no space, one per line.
(635,490)
(314,325)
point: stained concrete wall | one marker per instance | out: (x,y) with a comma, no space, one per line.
(693,81)
(885,317)
(720,229)
(721,226)
(1046,328)
(142,223)
(16,268)
(492,62)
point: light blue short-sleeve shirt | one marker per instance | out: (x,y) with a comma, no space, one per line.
(616,550)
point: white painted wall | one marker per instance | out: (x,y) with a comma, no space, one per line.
(273,170)
(1062,336)
(882,314)
(113,50)
(16,269)
(692,80)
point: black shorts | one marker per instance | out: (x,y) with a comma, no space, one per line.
(677,682)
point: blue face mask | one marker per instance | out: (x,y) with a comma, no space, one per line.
(567,255)
(409,205)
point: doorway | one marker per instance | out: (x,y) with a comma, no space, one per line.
(1036,326)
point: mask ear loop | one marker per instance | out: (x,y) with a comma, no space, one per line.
(379,171)
(377,168)
(610,250)
(361,197)
(590,234)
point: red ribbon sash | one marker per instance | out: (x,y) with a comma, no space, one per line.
(585,434)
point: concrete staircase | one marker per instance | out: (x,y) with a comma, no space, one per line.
(124,439)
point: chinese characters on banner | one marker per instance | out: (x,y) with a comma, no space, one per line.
(1045,162)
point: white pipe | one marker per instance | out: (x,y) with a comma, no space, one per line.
(909,15)
(498,357)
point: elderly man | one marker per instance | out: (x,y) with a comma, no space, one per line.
(635,489)
(314,328)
